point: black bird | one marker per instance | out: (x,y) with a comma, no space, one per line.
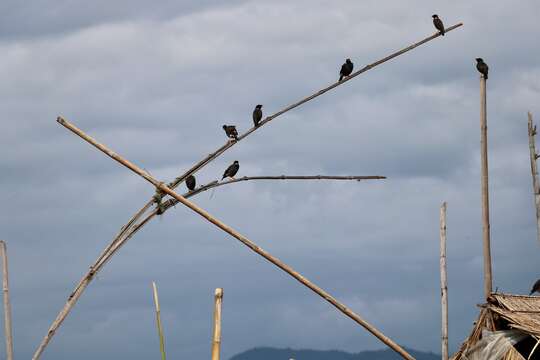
(536,287)
(231,170)
(230,131)
(346,69)
(438,24)
(257,115)
(191,182)
(482,67)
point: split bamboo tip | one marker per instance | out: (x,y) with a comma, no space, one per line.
(219,293)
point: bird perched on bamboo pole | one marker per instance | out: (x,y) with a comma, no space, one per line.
(536,287)
(230,131)
(257,115)
(438,24)
(346,69)
(191,182)
(231,170)
(482,67)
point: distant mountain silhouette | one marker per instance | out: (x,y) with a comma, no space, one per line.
(267,353)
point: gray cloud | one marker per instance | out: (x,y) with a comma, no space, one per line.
(156,84)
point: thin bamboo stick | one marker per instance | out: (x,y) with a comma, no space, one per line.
(7,304)
(165,189)
(444,285)
(158,322)
(120,240)
(171,202)
(485,189)
(216,340)
(534,172)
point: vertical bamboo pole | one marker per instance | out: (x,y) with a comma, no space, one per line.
(158,321)
(216,342)
(534,172)
(485,189)
(444,286)
(7,305)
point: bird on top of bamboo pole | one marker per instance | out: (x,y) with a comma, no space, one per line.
(482,67)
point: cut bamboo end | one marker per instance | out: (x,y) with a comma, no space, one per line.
(156,299)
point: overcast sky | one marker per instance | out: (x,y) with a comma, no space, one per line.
(156,81)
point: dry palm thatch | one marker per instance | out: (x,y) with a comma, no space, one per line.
(505,312)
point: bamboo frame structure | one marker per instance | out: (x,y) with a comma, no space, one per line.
(534,171)
(485,189)
(158,322)
(128,230)
(289,270)
(216,339)
(444,285)
(7,304)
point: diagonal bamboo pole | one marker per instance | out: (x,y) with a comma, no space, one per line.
(534,172)
(165,189)
(158,322)
(120,239)
(7,304)
(216,339)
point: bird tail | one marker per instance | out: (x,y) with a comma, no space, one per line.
(532,292)
(340,77)
(486,76)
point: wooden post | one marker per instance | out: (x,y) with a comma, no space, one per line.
(289,270)
(485,189)
(158,322)
(534,172)
(7,305)
(444,286)
(216,341)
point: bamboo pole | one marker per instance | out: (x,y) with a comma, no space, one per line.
(158,322)
(165,189)
(120,239)
(534,172)
(216,341)
(485,189)
(444,286)
(7,304)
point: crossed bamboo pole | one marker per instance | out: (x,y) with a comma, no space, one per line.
(132,226)
(250,244)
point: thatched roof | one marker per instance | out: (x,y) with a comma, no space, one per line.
(521,312)
(505,312)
